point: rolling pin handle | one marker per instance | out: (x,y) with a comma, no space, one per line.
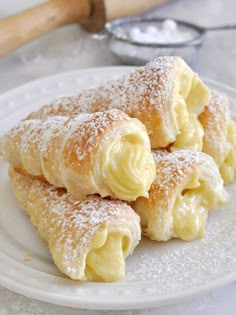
(21,28)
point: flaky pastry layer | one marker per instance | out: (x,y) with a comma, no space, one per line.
(220,135)
(187,186)
(165,95)
(88,240)
(106,153)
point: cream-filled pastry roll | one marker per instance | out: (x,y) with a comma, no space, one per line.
(219,139)
(165,95)
(187,185)
(106,153)
(88,240)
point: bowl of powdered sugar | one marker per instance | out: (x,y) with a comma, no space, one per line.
(137,40)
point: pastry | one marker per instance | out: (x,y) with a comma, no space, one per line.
(220,135)
(187,186)
(104,153)
(88,240)
(165,95)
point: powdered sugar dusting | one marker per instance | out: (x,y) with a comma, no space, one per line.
(148,94)
(64,150)
(151,85)
(68,225)
(173,167)
(218,113)
(177,265)
(215,120)
(133,287)
(36,136)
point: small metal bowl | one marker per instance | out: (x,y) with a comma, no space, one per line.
(137,53)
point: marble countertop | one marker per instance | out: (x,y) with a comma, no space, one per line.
(71,48)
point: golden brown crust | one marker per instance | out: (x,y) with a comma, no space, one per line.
(186,183)
(148,94)
(215,120)
(69,225)
(78,153)
(219,135)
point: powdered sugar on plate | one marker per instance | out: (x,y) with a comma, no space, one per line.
(178,265)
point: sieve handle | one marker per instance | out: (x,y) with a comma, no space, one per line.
(223,27)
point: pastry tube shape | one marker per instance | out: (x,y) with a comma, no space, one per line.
(187,186)
(104,153)
(219,139)
(88,240)
(165,95)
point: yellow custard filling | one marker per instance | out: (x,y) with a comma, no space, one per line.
(189,221)
(190,210)
(191,135)
(228,168)
(191,95)
(106,260)
(129,168)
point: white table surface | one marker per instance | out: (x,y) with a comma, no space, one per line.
(70,48)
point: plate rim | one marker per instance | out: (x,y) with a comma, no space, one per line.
(115,304)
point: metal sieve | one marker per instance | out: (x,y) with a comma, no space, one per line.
(135,52)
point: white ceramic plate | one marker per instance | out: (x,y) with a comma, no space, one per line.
(156,274)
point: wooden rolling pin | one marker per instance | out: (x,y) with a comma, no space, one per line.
(21,28)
